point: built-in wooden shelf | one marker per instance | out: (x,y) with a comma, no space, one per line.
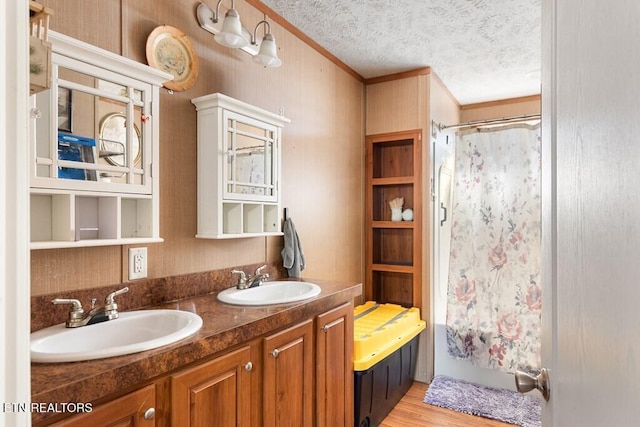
(397,268)
(393,248)
(392,224)
(393,180)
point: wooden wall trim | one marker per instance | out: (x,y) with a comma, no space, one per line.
(398,76)
(498,103)
(274,16)
(399,135)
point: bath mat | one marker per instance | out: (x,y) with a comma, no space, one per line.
(498,404)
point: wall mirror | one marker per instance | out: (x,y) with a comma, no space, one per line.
(107,116)
(251,169)
(113,140)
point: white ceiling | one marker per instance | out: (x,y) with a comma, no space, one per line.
(483,50)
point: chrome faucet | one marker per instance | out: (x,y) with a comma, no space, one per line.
(253,281)
(258,277)
(77,316)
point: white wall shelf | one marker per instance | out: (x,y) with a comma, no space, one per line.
(238,169)
(94,144)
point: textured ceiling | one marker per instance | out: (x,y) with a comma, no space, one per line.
(483,50)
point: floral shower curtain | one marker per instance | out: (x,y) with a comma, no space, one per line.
(494,289)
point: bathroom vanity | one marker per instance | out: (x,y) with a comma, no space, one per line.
(284,364)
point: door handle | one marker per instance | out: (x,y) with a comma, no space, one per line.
(526,382)
(444,208)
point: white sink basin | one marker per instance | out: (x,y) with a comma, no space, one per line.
(131,332)
(271,292)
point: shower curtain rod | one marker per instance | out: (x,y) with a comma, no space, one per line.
(439,127)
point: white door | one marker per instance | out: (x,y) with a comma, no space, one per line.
(591,211)
(14,226)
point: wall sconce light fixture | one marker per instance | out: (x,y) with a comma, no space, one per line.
(267,55)
(229,32)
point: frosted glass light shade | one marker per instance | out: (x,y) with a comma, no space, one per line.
(268,55)
(231,33)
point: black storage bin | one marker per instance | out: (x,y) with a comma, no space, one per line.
(378,389)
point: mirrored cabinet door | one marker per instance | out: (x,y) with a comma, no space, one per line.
(251,149)
(93,131)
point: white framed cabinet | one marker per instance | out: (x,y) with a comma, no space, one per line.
(239,171)
(94,144)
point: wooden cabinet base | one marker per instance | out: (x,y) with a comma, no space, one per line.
(288,377)
(136,409)
(217,390)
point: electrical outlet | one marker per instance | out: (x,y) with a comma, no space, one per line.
(137,263)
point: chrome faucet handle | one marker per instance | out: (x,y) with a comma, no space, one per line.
(76,311)
(259,269)
(110,299)
(242,274)
(76,304)
(242,280)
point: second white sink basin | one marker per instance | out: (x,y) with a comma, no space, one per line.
(271,292)
(131,332)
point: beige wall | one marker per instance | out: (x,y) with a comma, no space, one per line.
(323,156)
(397,105)
(500,109)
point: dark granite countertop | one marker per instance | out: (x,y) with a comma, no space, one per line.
(224,326)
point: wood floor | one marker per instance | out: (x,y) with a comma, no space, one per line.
(412,412)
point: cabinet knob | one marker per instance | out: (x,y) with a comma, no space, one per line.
(325,328)
(275,353)
(149,413)
(248,367)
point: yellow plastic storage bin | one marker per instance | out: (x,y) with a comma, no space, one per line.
(385,353)
(381,329)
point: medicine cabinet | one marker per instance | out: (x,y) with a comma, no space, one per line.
(94,150)
(238,168)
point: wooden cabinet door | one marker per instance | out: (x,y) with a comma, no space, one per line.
(288,377)
(215,393)
(334,367)
(135,409)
